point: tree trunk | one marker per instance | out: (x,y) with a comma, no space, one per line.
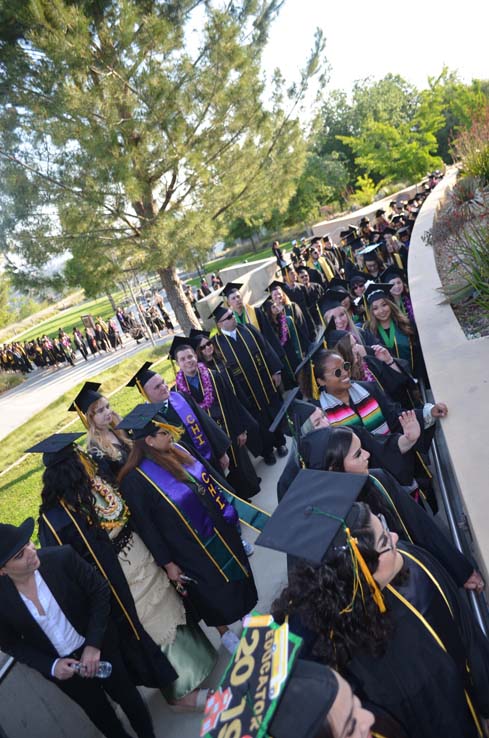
(111,300)
(254,241)
(176,297)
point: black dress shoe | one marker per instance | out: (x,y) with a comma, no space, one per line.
(270,459)
(282,451)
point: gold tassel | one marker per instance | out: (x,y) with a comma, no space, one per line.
(87,463)
(314,384)
(140,388)
(376,593)
(175,432)
(81,415)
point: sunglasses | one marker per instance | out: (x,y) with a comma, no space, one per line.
(337,372)
(206,345)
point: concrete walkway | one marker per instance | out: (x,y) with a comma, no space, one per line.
(44,386)
(43,706)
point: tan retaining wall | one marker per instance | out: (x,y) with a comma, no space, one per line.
(459,375)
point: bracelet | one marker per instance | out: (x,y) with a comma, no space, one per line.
(390,363)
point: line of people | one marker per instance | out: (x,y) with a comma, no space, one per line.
(156,505)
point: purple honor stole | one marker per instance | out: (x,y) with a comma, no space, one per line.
(194,514)
(192,425)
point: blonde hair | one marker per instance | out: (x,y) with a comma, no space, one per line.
(351,325)
(99,441)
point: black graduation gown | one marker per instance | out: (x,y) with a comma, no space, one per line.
(415,680)
(251,363)
(409,519)
(400,386)
(218,440)
(216,601)
(144,659)
(297,293)
(234,419)
(262,324)
(313,293)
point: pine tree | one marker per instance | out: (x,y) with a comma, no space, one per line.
(132,131)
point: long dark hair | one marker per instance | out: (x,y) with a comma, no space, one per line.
(173,460)
(69,481)
(321,597)
(317,366)
(327,451)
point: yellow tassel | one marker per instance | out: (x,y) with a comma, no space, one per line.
(376,593)
(81,415)
(314,384)
(176,433)
(140,388)
(87,463)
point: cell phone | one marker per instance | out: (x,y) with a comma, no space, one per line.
(185,578)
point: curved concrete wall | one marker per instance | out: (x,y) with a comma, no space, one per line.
(459,375)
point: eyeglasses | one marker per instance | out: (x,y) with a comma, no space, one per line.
(337,372)
(387,532)
(227,317)
(206,345)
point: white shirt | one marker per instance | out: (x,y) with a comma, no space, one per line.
(54,623)
(231,334)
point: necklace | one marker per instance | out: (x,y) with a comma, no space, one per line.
(206,383)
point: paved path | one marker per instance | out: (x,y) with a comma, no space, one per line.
(44,386)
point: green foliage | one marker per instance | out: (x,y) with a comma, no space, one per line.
(5,312)
(126,144)
(323,180)
(365,192)
(471,147)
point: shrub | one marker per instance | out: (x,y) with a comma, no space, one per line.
(471,147)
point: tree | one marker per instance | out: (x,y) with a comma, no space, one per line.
(5,312)
(123,135)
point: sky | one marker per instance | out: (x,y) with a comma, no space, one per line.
(371,39)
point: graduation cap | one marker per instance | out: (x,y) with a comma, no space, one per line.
(338,282)
(298,411)
(142,376)
(357,276)
(314,519)
(333,335)
(198,332)
(86,396)
(144,421)
(356,244)
(331,299)
(220,311)
(230,287)
(55,448)
(391,273)
(379,212)
(368,252)
(364,221)
(276,283)
(389,231)
(376,291)
(404,230)
(177,342)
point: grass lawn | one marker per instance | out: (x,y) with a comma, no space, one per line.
(67,319)
(20,487)
(9,381)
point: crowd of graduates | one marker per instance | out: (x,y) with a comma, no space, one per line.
(373,609)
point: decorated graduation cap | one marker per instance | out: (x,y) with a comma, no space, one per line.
(267,690)
(369,253)
(55,448)
(291,698)
(231,287)
(142,376)
(314,521)
(86,396)
(144,421)
(220,311)
(176,344)
(377,291)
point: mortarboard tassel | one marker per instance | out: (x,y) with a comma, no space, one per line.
(175,432)
(376,593)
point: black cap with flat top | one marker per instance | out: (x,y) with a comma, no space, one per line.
(176,344)
(143,420)
(220,311)
(142,376)
(231,287)
(309,521)
(377,291)
(86,396)
(55,448)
